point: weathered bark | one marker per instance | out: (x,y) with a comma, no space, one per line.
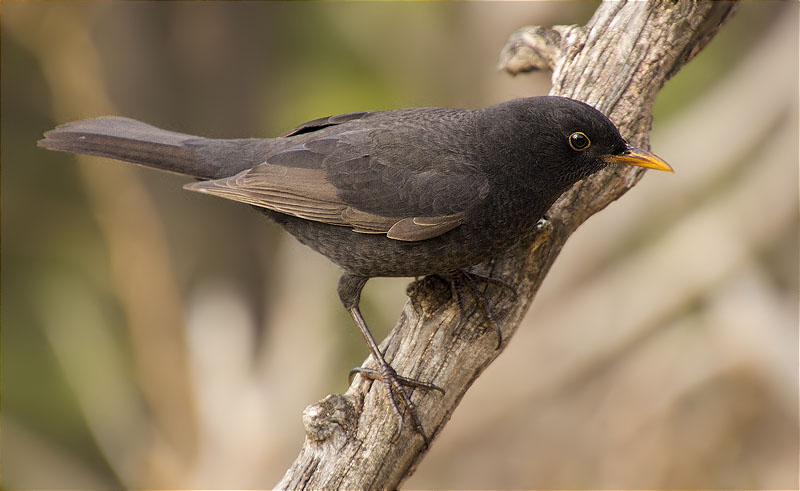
(617,63)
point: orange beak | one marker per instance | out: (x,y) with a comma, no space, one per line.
(640,158)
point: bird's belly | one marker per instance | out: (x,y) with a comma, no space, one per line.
(376,255)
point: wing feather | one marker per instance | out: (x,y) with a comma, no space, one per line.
(421,228)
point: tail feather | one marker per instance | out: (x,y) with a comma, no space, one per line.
(131,141)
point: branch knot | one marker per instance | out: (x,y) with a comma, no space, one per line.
(334,416)
(534,48)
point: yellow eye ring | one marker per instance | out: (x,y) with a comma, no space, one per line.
(578,141)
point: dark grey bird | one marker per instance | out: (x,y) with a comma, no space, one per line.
(409,192)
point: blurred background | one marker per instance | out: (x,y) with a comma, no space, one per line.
(156,338)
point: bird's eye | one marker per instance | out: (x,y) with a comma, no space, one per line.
(579,141)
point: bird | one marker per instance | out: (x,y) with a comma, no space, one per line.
(395,193)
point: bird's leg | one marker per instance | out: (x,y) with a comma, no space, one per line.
(480,300)
(350,287)
(456,293)
(469,279)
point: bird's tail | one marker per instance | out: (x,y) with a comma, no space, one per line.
(131,141)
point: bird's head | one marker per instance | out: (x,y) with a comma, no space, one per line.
(568,140)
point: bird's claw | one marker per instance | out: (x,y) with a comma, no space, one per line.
(393,383)
(469,279)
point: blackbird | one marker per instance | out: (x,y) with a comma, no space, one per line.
(409,192)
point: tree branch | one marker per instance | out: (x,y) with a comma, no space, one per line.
(617,63)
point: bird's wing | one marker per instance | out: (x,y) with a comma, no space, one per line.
(350,180)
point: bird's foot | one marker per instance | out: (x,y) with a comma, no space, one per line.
(393,383)
(470,279)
